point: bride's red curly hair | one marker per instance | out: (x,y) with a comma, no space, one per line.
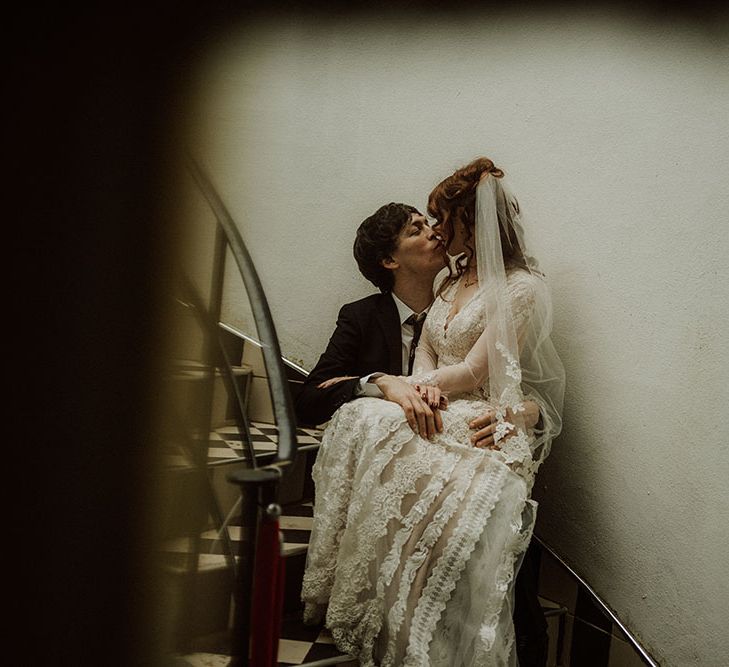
(454,199)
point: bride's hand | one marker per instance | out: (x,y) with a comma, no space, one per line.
(432,396)
(484,438)
(486,423)
(332,381)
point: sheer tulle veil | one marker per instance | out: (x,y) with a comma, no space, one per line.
(522,364)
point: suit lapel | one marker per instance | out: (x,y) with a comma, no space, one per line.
(389,321)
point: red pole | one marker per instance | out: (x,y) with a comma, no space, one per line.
(268,585)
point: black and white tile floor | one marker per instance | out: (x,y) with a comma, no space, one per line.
(298,643)
(226,442)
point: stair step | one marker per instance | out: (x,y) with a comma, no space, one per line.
(264,436)
(188,390)
(226,443)
(295,523)
(299,644)
(190,369)
(214,577)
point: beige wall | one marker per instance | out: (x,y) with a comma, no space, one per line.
(615,136)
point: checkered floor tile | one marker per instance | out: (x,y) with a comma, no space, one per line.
(227,442)
(295,524)
(298,644)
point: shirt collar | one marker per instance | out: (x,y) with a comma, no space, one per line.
(403,310)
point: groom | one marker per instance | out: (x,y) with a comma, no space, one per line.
(375,337)
(374,341)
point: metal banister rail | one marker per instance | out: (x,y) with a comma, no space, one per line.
(278,383)
(260,571)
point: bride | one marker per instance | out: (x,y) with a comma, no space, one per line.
(416,542)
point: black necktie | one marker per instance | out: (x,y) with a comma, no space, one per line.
(416,321)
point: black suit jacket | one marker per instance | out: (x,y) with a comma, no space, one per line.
(367,339)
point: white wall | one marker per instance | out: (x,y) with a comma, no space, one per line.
(615,137)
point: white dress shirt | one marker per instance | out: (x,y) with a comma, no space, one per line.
(368,388)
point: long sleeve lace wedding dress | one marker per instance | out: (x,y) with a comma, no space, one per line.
(415,542)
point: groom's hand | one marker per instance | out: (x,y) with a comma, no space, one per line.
(422,419)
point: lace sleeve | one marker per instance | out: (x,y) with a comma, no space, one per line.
(522,294)
(472,372)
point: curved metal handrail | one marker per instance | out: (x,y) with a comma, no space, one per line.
(644,655)
(278,383)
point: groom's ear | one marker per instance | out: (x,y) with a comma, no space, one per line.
(390,263)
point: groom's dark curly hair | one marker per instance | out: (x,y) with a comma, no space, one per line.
(377,239)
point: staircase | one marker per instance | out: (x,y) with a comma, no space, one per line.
(208,631)
(234,476)
(233,463)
